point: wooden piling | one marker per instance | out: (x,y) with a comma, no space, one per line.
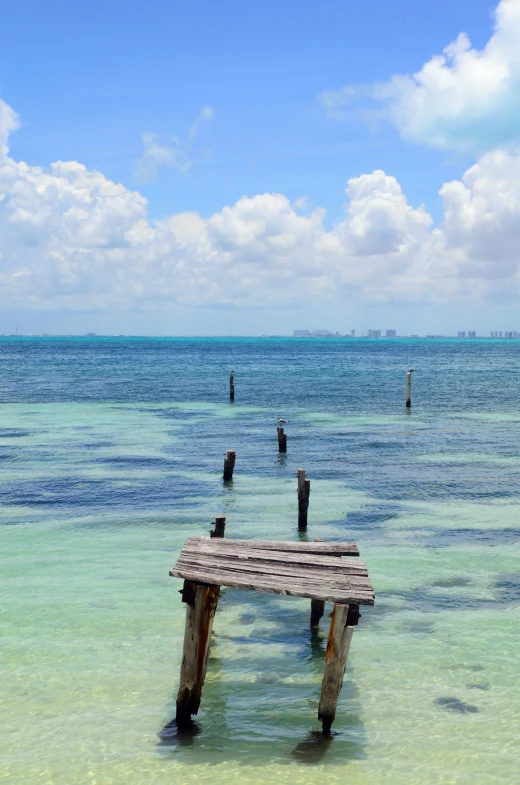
(409,388)
(201,604)
(220,525)
(336,655)
(282,440)
(317,611)
(232,386)
(229,465)
(304,490)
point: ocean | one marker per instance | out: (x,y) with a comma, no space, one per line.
(111,453)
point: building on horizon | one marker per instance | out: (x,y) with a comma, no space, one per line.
(391,333)
(301,334)
(352,333)
(374,333)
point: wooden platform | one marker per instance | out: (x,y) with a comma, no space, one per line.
(317,570)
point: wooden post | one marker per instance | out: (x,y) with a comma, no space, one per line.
(220,525)
(201,603)
(282,440)
(304,489)
(342,622)
(229,465)
(409,387)
(232,386)
(317,611)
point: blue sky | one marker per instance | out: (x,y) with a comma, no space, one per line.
(90,81)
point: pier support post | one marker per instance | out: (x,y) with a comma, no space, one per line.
(282,440)
(317,611)
(409,388)
(304,490)
(229,465)
(341,628)
(220,525)
(201,604)
(232,386)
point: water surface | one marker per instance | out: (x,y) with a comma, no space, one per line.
(111,455)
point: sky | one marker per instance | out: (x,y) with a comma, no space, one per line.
(228,168)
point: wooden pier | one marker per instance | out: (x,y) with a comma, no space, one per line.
(320,571)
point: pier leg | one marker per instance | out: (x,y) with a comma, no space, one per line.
(282,440)
(220,525)
(338,645)
(409,388)
(232,386)
(317,611)
(229,465)
(201,604)
(304,489)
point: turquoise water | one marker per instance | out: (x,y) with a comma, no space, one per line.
(111,455)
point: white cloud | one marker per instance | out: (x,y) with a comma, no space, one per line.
(71,238)
(465,99)
(8,122)
(177,155)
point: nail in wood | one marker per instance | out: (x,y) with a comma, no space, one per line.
(304,490)
(229,465)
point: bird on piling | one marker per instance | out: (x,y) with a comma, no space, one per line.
(281,421)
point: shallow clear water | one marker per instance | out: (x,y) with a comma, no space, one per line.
(111,455)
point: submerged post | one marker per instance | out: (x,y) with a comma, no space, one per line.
(201,604)
(220,525)
(229,465)
(282,440)
(232,385)
(304,490)
(409,387)
(317,611)
(338,644)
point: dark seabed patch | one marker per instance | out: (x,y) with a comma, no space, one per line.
(491,537)
(372,517)
(419,627)
(484,686)
(460,667)
(508,587)
(454,704)
(452,583)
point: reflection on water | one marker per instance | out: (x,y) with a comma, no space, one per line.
(112,456)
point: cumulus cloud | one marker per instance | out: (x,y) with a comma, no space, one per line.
(464,99)
(71,238)
(8,122)
(176,155)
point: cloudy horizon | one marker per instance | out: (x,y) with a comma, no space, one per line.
(81,250)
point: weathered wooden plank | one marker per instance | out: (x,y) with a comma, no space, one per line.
(273,566)
(336,655)
(339,548)
(340,592)
(272,569)
(275,557)
(283,574)
(201,603)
